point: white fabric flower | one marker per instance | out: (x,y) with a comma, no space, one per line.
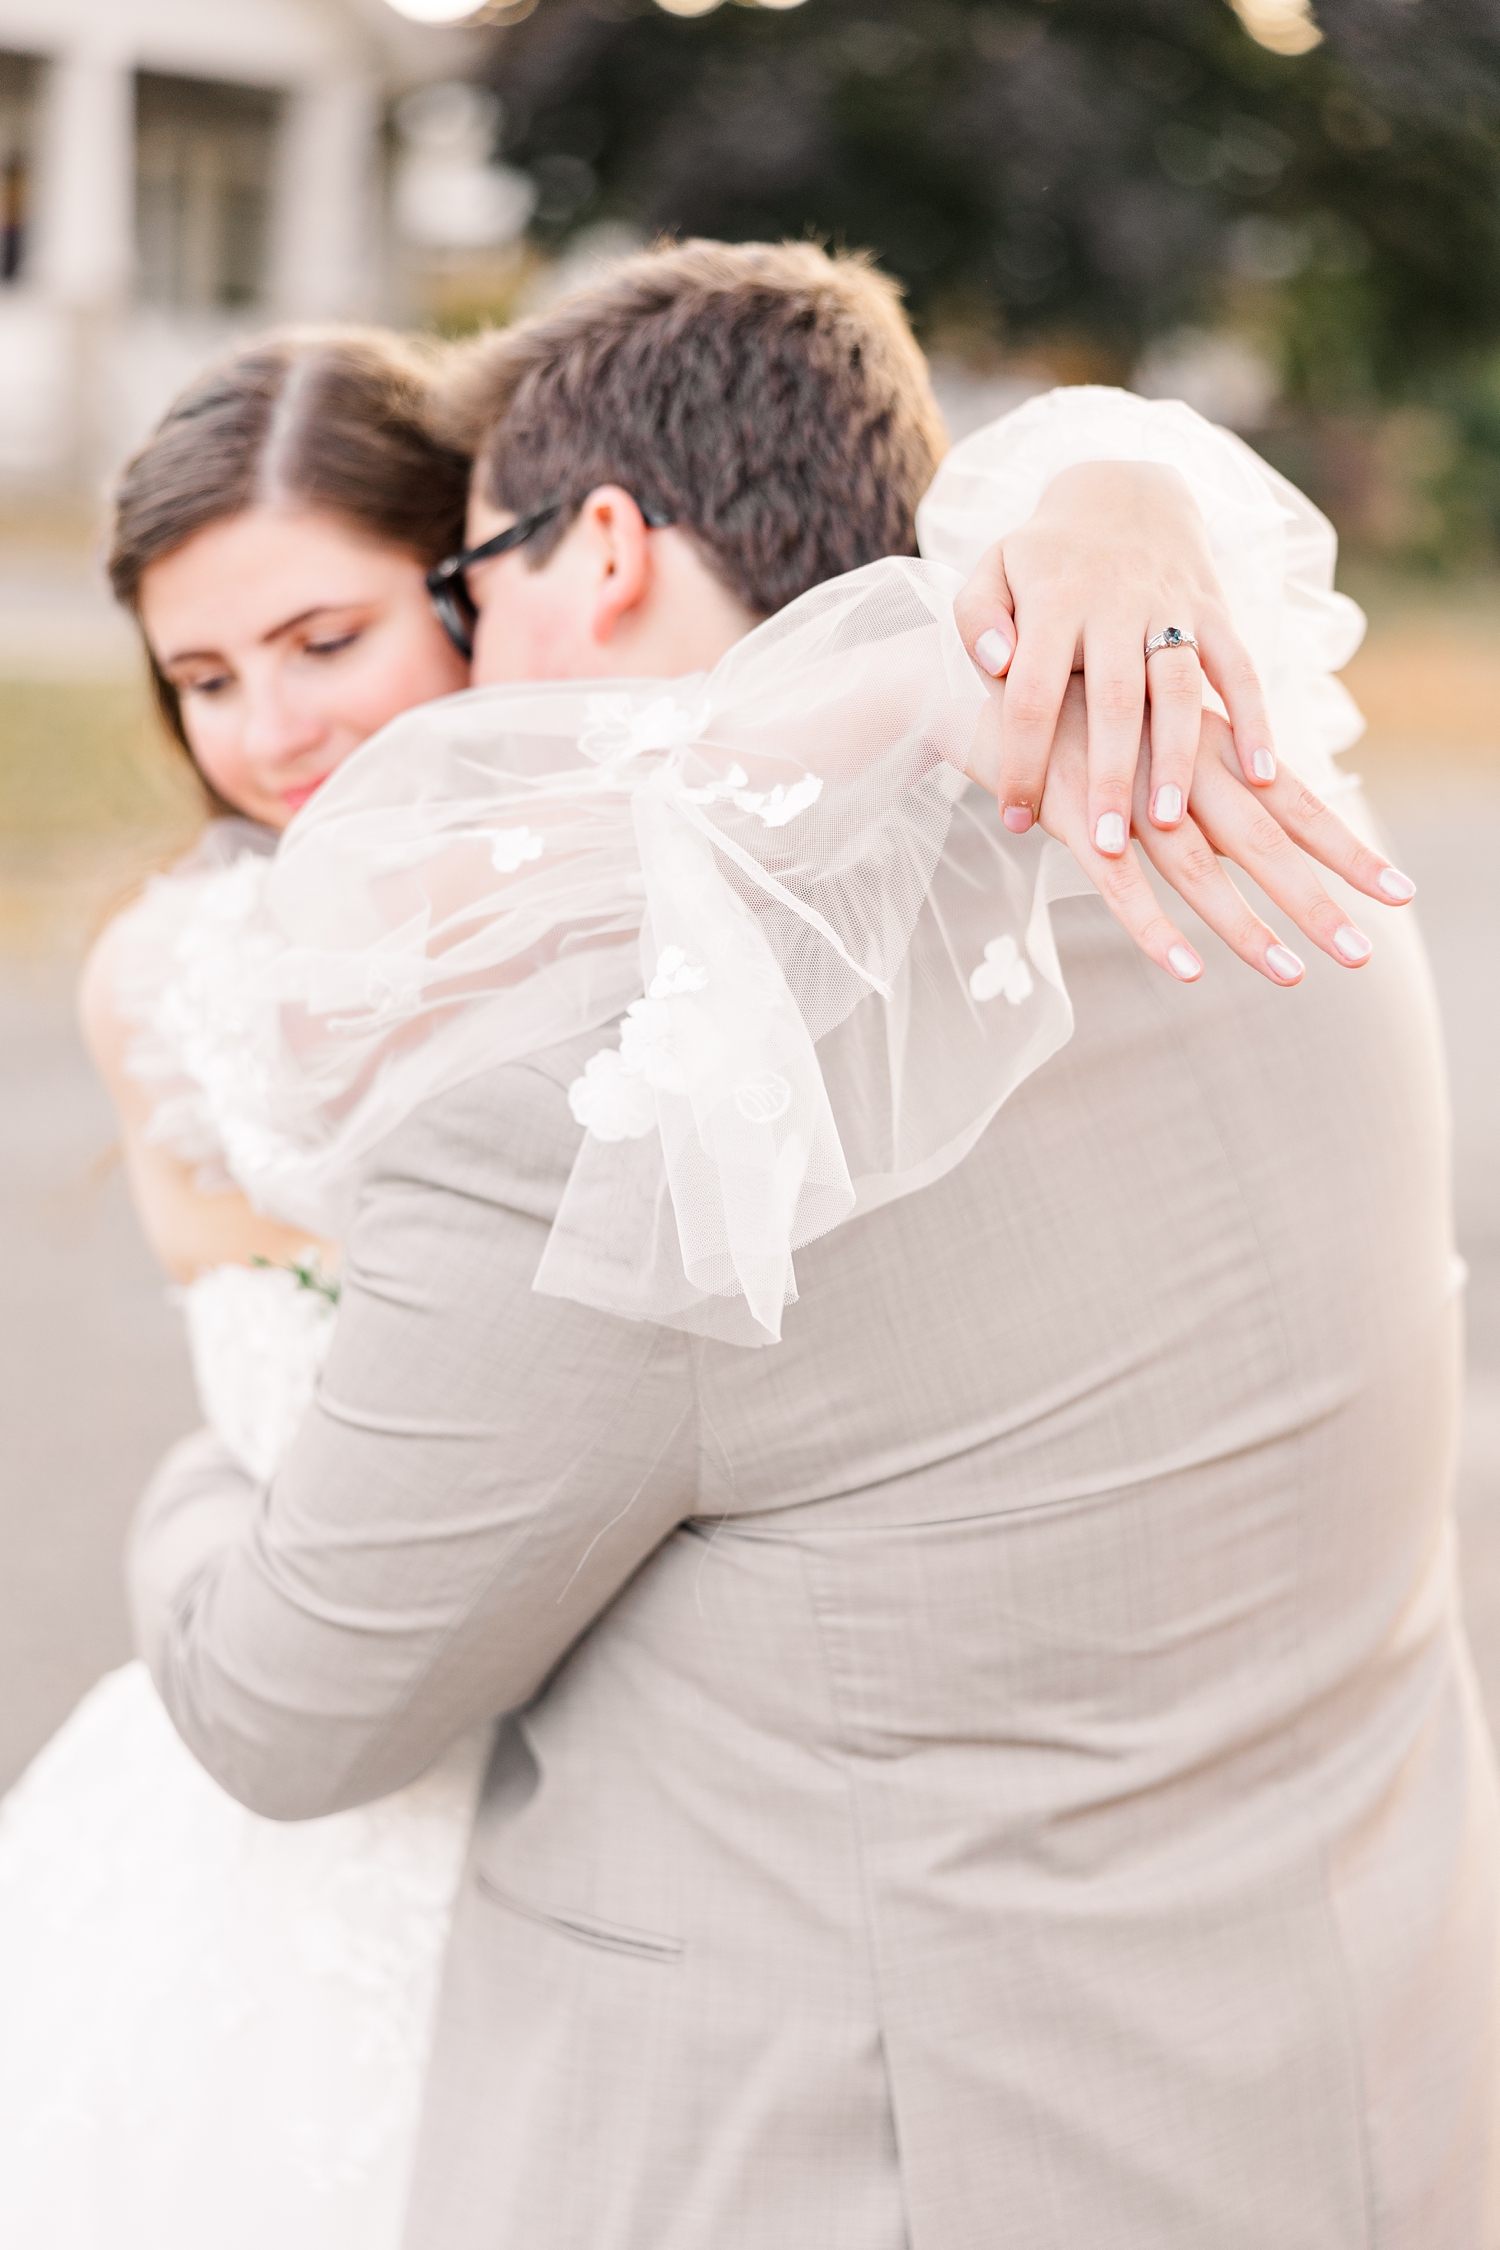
(775,807)
(1002,971)
(712,791)
(616,729)
(513,846)
(610,1102)
(646,1049)
(760,1101)
(675,973)
(614,1099)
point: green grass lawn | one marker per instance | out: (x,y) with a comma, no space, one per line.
(83,760)
(91,798)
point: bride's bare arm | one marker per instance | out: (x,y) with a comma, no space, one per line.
(189,1229)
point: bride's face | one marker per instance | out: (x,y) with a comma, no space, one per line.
(290,638)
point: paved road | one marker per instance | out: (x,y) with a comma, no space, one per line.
(93,1380)
(93,1377)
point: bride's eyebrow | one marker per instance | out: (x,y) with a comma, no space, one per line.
(318,609)
(288,625)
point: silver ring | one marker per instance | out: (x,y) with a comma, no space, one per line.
(1171,636)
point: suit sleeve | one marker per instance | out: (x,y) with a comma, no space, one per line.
(482,1471)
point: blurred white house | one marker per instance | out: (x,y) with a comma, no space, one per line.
(175,172)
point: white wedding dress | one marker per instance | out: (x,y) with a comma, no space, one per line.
(214,2027)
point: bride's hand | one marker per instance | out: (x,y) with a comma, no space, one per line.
(1115,553)
(1273,834)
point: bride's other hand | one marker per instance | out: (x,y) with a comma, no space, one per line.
(1115,553)
(1272,834)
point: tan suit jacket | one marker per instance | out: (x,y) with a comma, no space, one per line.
(1001,1768)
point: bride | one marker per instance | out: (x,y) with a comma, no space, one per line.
(171,1965)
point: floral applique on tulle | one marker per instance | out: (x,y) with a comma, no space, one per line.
(1002,971)
(614,1099)
(511,848)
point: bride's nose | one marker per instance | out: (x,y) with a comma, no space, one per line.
(280,722)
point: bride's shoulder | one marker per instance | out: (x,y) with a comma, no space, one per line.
(137,952)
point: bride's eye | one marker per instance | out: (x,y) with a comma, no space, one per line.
(212,683)
(334,646)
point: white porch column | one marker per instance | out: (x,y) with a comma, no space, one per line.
(85,248)
(85,253)
(325,261)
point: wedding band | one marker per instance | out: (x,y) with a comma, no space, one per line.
(1171,636)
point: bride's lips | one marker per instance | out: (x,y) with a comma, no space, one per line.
(296,798)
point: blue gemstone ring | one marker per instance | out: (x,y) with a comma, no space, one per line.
(1171,636)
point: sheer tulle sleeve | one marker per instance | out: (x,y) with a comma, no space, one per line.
(816,963)
(1275,552)
(169,964)
(812,984)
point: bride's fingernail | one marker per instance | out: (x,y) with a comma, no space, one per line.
(1352,943)
(1166,806)
(1396,885)
(1184,962)
(1263,766)
(1109,833)
(993,651)
(1017,818)
(1282,962)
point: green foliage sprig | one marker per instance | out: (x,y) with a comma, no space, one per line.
(306,1273)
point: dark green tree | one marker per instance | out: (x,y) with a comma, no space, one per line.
(1051,169)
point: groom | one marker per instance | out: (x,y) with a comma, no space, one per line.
(1000,1768)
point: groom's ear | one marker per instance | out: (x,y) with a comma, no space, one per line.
(619,555)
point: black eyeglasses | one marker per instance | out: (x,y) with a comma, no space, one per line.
(448,585)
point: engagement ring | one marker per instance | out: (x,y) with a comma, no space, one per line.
(1171,636)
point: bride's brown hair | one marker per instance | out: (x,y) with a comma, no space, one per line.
(329,419)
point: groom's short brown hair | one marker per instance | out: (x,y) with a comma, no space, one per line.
(770,398)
